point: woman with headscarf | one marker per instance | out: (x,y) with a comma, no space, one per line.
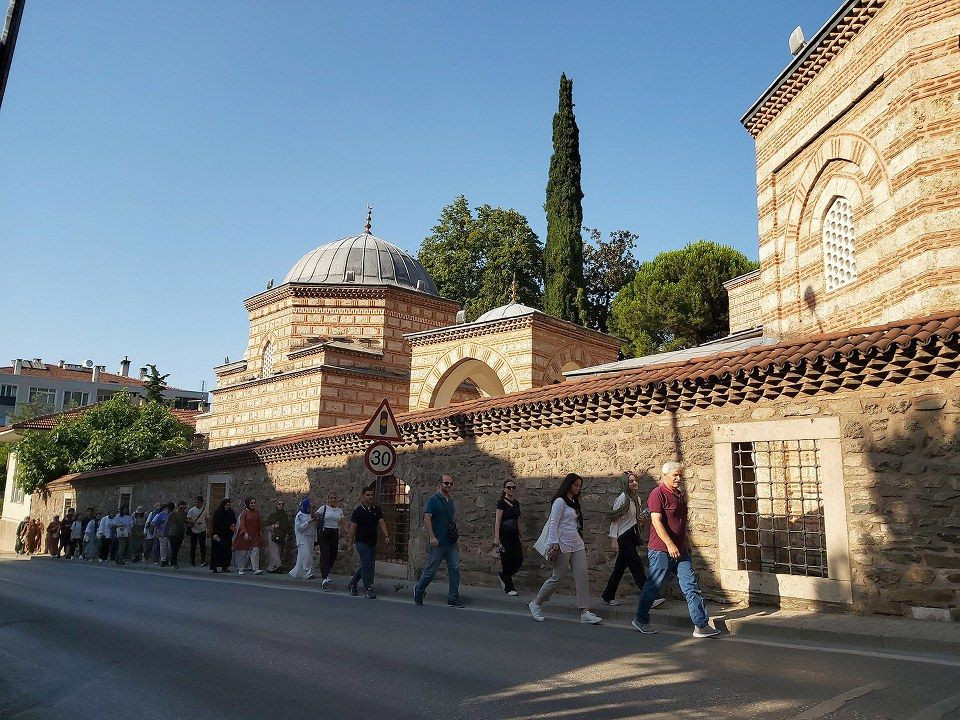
(91,548)
(278,530)
(53,537)
(223,523)
(506,536)
(22,529)
(138,532)
(34,534)
(566,550)
(625,518)
(247,541)
(305,530)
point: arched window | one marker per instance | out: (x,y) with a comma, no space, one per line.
(267,360)
(839,263)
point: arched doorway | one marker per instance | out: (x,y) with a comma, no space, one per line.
(469,370)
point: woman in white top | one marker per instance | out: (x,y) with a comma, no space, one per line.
(566,550)
(331,517)
(305,530)
(625,518)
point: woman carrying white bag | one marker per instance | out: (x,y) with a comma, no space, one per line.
(561,542)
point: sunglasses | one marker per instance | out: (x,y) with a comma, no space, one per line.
(447,484)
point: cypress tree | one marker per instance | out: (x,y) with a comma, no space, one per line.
(564,293)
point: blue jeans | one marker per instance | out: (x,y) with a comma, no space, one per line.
(661,564)
(451,555)
(367,555)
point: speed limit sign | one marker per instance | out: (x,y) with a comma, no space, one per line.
(380,458)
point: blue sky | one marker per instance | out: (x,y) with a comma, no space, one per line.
(159,162)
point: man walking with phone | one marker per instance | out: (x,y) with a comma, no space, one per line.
(438,519)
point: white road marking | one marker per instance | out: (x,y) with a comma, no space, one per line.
(522,611)
(940,710)
(833,704)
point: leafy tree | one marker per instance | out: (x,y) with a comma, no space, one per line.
(608,265)
(564,294)
(113,432)
(475,259)
(677,299)
(29,410)
(154,385)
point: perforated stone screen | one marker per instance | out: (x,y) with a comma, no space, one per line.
(840,266)
(267,360)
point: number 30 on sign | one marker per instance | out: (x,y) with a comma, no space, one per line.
(380,458)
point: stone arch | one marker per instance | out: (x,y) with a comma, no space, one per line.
(844,162)
(485,366)
(571,357)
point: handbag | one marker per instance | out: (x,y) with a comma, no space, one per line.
(453,532)
(541,545)
(320,522)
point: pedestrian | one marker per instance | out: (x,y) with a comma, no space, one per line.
(34,536)
(137,533)
(438,519)
(105,534)
(247,541)
(331,517)
(625,518)
(151,544)
(222,525)
(53,537)
(121,525)
(66,547)
(278,532)
(22,529)
(366,519)
(197,527)
(305,530)
(161,539)
(507,537)
(176,529)
(91,544)
(76,536)
(668,550)
(565,550)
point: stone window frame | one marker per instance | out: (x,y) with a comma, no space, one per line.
(69,500)
(225,479)
(266,370)
(838,587)
(128,491)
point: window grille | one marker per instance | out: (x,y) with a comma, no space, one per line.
(268,355)
(394,501)
(779,507)
(840,265)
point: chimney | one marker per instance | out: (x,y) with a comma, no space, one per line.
(18,367)
(96,373)
(125,366)
(143,373)
(62,363)
(38,362)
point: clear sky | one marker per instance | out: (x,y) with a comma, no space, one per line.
(160,161)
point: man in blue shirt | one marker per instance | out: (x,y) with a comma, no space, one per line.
(438,519)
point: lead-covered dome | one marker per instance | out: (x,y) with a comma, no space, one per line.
(361,260)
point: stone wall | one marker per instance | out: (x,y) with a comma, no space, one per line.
(900,470)
(743,300)
(877,125)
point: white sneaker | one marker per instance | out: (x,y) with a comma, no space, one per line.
(657,603)
(613,602)
(705,632)
(645,629)
(512,592)
(588,618)
(536,611)
(324,583)
(258,572)
(240,572)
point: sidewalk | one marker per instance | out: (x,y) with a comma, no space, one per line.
(762,623)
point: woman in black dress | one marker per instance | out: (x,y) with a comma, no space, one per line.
(506,536)
(223,523)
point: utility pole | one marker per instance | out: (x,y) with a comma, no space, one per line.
(8,40)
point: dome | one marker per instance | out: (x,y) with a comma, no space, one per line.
(506,311)
(361,260)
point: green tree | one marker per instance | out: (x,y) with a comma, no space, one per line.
(608,265)
(113,432)
(677,299)
(564,294)
(474,259)
(154,385)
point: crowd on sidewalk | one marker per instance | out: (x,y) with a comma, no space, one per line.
(235,541)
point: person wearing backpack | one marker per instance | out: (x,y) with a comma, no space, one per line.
(438,519)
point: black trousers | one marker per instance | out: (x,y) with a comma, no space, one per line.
(198,540)
(175,542)
(511,560)
(104,548)
(628,557)
(329,545)
(220,554)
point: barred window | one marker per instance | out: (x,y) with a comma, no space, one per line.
(779,507)
(268,355)
(839,263)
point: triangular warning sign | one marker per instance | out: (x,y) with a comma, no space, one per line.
(383,425)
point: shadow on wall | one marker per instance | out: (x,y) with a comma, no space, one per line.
(903,458)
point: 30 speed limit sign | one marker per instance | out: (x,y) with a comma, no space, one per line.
(380,458)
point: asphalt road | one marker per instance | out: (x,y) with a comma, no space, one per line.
(89,641)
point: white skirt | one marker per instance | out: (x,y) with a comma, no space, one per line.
(304,567)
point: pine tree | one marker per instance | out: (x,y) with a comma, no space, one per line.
(154,385)
(564,294)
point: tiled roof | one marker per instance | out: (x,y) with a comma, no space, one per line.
(48,422)
(911,349)
(86,375)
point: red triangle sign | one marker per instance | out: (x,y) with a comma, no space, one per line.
(383,425)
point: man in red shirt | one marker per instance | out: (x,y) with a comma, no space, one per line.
(668,550)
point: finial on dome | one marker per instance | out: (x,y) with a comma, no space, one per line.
(369,224)
(513,288)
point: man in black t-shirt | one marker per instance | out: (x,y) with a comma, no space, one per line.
(366,519)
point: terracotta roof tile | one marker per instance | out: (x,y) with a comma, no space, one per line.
(86,375)
(48,422)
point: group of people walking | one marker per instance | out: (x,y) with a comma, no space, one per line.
(237,539)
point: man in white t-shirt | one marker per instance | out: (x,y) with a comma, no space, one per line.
(197,527)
